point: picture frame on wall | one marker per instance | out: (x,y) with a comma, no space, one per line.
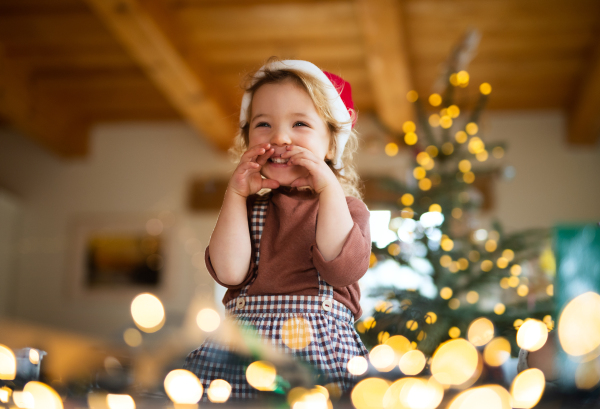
(121,255)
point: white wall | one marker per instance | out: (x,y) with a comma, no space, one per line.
(144,168)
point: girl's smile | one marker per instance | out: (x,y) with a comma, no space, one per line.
(284,115)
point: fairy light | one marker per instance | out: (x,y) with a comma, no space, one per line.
(183,387)
(148,312)
(579,325)
(462,77)
(480,332)
(453,267)
(261,375)
(8,364)
(115,401)
(453,111)
(464,165)
(412,362)
(532,334)
(412,325)
(412,96)
(513,282)
(502,262)
(454,79)
(486,265)
(474,256)
(432,151)
(527,388)
(410,138)
(472,297)
(498,152)
(46,397)
(369,393)
(435,99)
(447,244)
(504,283)
(454,362)
(383,336)
(423,158)
(522,290)
(435,208)
(475,145)
(469,177)
(492,396)
(499,308)
(472,128)
(296,333)
(394,249)
(407,213)
(429,164)
(430,317)
(491,246)
(419,173)
(391,149)
(497,351)
(448,148)
(461,137)
(407,199)
(463,263)
(482,156)
(485,88)
(454,332)
(357,365)
(409,126)
(446,293)
(425,184)
(434,120)
(508,254)
(446,121)
(457,212)
(445,260)
(208,320)
(219,391)
(454,304)
(382,358)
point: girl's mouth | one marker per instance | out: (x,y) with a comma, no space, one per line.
(279,160)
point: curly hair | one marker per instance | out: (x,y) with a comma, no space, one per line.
(347,175)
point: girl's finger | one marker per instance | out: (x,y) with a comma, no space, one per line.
(255,151)
(301,182)
(262,159)
(270,184)
(245,166)
(305,162)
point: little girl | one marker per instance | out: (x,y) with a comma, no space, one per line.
(310,232)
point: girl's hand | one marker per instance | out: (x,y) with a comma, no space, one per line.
(320,175)
(246,179)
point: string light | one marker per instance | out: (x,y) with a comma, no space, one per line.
(454,304)
(461,137)
(411,138)
(482,156)
(579,325)
(419,173)
(425,184)
(454,80)
(480,332)
(497,351)
(432,151)
(457,212)
(491,246)
(391,149)
(412,96)
(434,120)
(472,128)
(454,362)
(532,334)
(453,111)
(409,126)
(499,309)
(472,297)
(445,260)
(446,121)
(454,332)
(446,293)
(435,99)
(475,145)
(435,208)
(407,199)
(502,262)
(527,388)
(485,88)
(447,148)
(462,77)
(469,177)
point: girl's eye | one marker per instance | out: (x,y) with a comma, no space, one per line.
(262,124)
(300,124)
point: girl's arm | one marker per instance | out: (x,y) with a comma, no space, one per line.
(333,221)
(230,247)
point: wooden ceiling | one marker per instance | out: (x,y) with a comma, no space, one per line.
(68,64)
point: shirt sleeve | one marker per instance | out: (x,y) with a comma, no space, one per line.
(353,261)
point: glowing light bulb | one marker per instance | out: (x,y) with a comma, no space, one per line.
(492,396)
(496,352)
(499,308)
(43,396)
(8,364)
(183,387)
(532,335)
(411,138)
(120,401)
(407,199)
(527,388)
(357,365)
(409,126)
(481,331)
(208,320)
(261,375)
(485,88)
(391,149)
(454,332)
(472,297)
(579,325)
(454,362)
(412,96)
(412,362)
(132,337)
(148,312)
(369,393)
(219,391)
(461,137)
(435,99)
(446,293)
(382,358)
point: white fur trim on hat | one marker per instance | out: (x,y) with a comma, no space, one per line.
(338,109)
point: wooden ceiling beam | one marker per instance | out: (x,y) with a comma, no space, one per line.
(387,59)
(583,120)
(39,117)
(135,28)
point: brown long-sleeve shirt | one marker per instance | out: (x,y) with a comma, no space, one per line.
(290,259)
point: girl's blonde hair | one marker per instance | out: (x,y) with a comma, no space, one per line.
(347,175)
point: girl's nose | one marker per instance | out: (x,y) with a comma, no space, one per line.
(280,138)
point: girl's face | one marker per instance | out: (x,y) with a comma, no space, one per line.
(284,115)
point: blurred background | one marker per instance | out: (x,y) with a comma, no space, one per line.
(116,117)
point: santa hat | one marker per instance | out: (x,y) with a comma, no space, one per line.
(337,91)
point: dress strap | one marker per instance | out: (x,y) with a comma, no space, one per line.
(257,222)
(325,289)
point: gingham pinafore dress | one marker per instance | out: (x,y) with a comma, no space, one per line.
(333,339)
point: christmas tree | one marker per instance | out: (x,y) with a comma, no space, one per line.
(477,272)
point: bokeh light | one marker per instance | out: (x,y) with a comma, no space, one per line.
(454,362)
(413,393)
(208,320)
(446,293)
(43,395)
(485,88)
(183,387)
(469,177)
(419,173)
(497,351)
(472,297)
(34,356)
(480,332)
(148,312)
(430,317)
(120,401)
(454,332)
(454,304)
(487,396)
(23,399)
(532,334)
(412,96)
(461,137)
(425,184)
(261,375)
(132,337)
(453,111)
(412,362)
(523,290)
(5,394)
(472,128)
(369,393)
(587,374)
(579,325)
(407,199)
(8,363)
(219,391)
(391,149)
(434,120)
(400,345)
(411,138)
(382,358)
(358,365)
(409,126)
(499,308)
(435,99)
(527,388)
(515,270)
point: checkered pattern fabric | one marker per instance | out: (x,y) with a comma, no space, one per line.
(316,329)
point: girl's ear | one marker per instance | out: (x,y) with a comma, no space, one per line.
(330,154)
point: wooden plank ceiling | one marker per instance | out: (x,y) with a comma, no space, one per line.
(68,64)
